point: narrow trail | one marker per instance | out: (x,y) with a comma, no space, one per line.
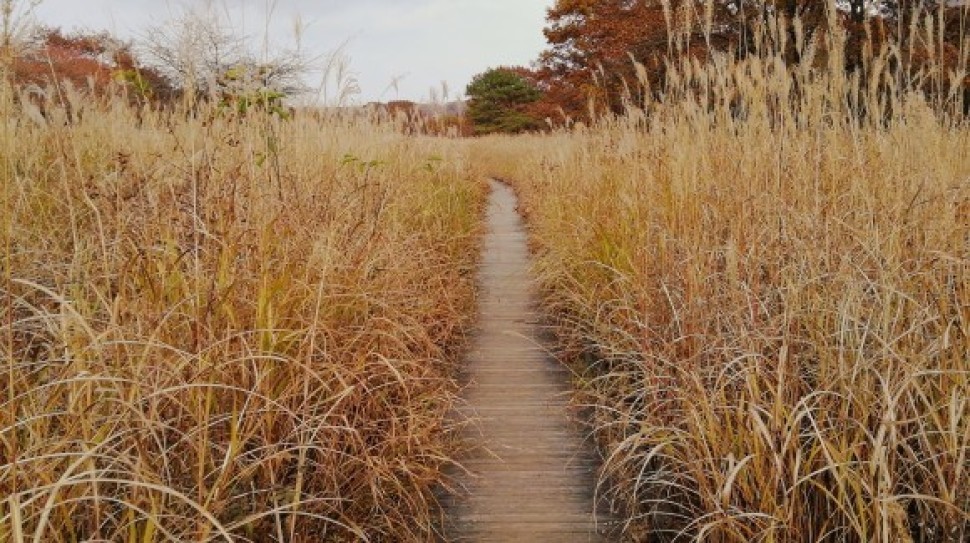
(532,474)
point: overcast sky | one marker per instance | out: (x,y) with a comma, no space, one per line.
(420,42)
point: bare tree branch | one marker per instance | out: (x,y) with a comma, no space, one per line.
(200,52)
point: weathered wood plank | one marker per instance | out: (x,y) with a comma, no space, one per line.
(532,470)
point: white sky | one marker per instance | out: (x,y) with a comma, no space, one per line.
(426,41)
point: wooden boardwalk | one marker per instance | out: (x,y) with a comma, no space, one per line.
(532,474)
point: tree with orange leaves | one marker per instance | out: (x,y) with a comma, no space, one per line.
(596,46)
(97,63)
(605,55)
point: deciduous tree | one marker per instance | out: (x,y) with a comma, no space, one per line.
(54,66)
(595,46)
(605,55)
(201,54)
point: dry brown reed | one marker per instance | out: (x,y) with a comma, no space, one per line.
(225,328)
(766,295)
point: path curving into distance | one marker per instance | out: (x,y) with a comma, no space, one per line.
(532,474)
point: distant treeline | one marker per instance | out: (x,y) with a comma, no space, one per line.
(604,57)
(607,56)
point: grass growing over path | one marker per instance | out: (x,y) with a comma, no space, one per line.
(216,328)
(768,304)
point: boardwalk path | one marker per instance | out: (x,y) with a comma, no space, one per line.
(535,481)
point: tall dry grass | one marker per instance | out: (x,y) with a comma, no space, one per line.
(223,328)
(766,296)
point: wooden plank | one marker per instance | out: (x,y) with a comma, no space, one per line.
(532,470)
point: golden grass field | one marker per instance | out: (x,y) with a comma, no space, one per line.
(217,327)
(768,308)
(243,328)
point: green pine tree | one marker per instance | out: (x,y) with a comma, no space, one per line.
(497,100)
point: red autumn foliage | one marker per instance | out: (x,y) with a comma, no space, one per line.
(56,58)
(595,46)
(589,65)
(95,63)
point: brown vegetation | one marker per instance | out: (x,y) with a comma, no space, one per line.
(95,63)
(605,55)
(225,327)
(217,324)
(428,119)
(762,280)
